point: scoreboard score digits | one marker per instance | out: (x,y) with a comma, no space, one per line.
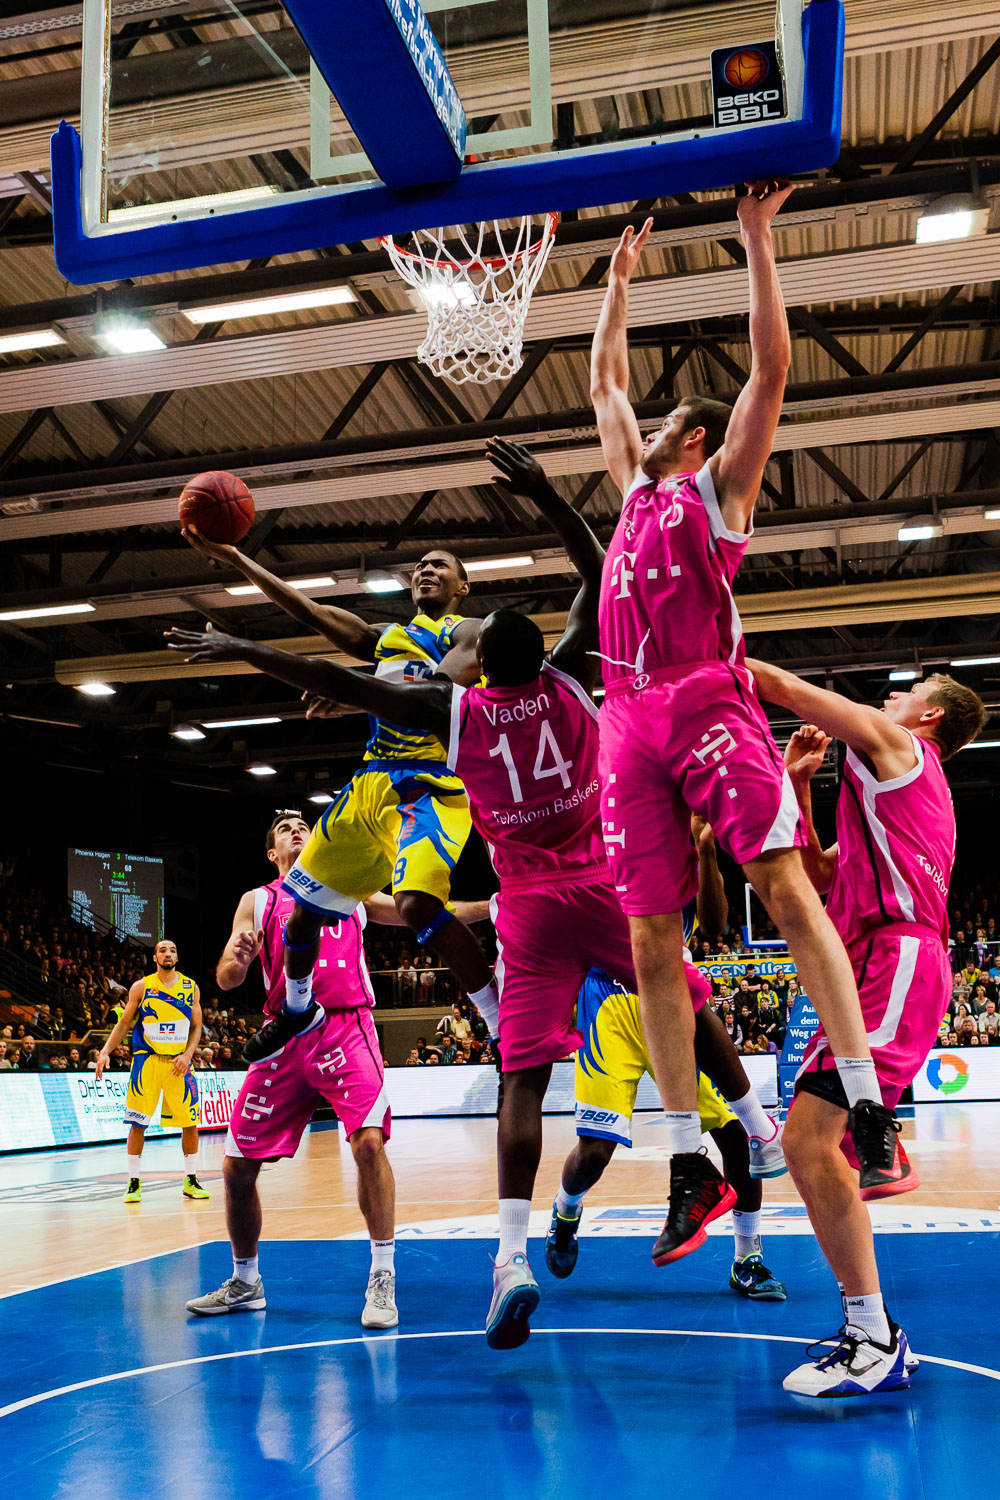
(124,891)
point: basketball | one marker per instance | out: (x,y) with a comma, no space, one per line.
(746,68)
(219,504)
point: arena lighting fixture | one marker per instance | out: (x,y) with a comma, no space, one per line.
(210,203)
(240,723)
(47,611)
(904,674)
(128,336)
(260,769)
(440,293)
(262,307)
(920,529)
(36,338)
(321,798)
(96,689)
(482,564)
(187,732)
(953,217)
(239,589)
(975,661)
(991,513)
(983,745)
(381,582)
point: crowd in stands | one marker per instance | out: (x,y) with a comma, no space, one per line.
(461,1036)
(973,1017)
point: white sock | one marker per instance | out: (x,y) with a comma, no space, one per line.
(567,1204)
(859,1078)
(867,1316)
(746,1232)
(191,1165)
(685,1130)
(753,1116)
(134,1166)
(246,1270)
(487,1002)
(843,1299)
(298,993)
(383,1255)
(514,1214)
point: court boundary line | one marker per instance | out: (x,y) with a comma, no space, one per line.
(117,1265)
(454,1333)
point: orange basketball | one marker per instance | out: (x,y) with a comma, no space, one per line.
(745,68)
(219,504)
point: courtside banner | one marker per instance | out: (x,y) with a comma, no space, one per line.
(739,968)
(72,1109)
(958,1074)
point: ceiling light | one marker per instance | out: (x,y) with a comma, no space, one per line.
(296,583)
(321,798)
(95,689)
(239,723)
(127,336)
(381,582)
(904,674)
(260,769)
(187,732)
(261,307)
(920,529)
(991,513)
(953,217)
(443,293)
(38,338)
(483,564)
(983,745)
(975,661)
(47,611)
(209,203)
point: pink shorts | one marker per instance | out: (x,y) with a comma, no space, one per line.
(681,744)
(338,1061)
(547,942)
(904,981)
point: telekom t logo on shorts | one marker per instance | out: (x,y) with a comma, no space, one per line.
(256,1107)
(715,744)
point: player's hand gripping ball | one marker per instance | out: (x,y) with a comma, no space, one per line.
(219,505)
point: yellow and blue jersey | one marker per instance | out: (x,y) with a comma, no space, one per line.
(163,1020)
(407,653)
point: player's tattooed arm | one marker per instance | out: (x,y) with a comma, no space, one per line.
(344,629)
(609,373)
(885,746)
(245,942)
(422,705)
(804,754)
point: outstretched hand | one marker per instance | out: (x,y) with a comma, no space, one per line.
(211,645)
(327,708)
(761,202)
(628,251)
(806,751)
(520,472)
(219,552)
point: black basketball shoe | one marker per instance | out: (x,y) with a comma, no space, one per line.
(273,1035)
(873,1128)
(698,1194)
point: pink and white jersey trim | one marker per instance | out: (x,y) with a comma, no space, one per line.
(340,978)
(666,596)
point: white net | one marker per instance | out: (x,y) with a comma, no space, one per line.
(476,306)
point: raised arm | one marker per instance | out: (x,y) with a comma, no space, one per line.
(886,746)
(244,944)
(616,423)
(343,629)
(419,705)
(381,908)
(738,467)
(524,475)
(804,755)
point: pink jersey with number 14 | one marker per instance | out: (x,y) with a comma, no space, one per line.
(528,758)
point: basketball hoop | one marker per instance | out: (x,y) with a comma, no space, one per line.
(475,307)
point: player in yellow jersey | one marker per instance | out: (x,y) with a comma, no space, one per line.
(165,1011)
(403,818)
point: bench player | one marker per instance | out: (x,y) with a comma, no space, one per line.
(681,730)
(887,878)
(526,746)
(338,1059)
(164,1012)
(403,817)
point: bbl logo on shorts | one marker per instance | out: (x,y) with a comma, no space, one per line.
(747,85)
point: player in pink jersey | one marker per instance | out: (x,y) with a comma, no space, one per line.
(887,878)
(681,730)
(337,1058)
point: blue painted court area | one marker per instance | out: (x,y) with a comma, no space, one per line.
(622,1389)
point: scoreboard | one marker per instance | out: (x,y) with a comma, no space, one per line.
(120,891)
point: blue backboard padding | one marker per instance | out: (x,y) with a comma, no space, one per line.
(383,66)
(531,184)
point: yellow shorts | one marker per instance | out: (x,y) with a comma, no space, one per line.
(406,826)
(611,1063)
(153,1075)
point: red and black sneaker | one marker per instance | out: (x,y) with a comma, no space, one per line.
(698,1194)
(874,1129)
(907,1180)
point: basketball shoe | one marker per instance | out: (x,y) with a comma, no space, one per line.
(515,1297)
(767,1158)
(232,1296)
(133,1193)
(751,1277)
(855,1367)
(273,1035)
(561,1244)
(907,1180)
(698,1194)
(874,1128)
(193,1188)
(380,1301)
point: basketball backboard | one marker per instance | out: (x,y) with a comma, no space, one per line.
(209,134)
